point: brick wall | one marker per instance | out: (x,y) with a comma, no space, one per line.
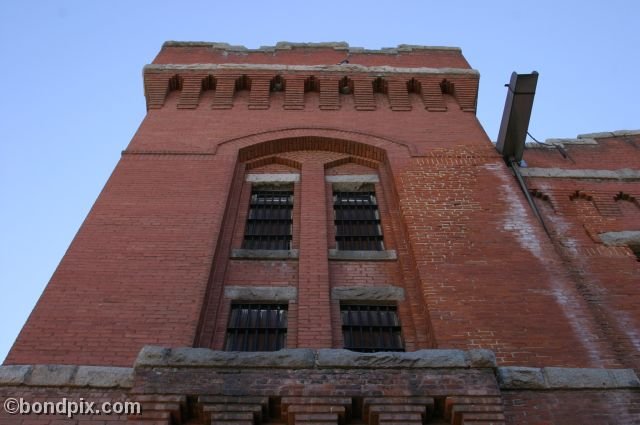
(200,386)
(144,255)
(310,54)
(56,395)
(571,407)
(578,209)
(153,258)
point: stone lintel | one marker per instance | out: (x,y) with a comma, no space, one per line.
(559,378)
(354,178)
(273,178)
(264,254)
(388,255)
(261,293)
(368,293)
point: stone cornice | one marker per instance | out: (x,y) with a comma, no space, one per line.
(286,45)
(565,173)
(337,69)
(66,376)
(304,358)
(562,378)
(156,358)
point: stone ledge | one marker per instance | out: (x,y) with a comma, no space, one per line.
(421,359)
(607,134)
(152,356)
(581,139)
(625,237)
(67,376)
(368,293)
(303,358)
(558,378)
(261,293)
(388,255)
(287,45)
(264,254)
(571,141)
(380,70)
(621,174)
(553,143)
(14,374)
(514,377)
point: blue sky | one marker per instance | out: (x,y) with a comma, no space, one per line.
(72,93)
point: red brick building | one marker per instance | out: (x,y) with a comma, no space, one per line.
(308,198)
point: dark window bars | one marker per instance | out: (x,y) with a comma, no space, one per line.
(270,220)
(257,327)
(357,221)
(371,328)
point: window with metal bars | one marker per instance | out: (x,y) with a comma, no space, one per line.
(257,327)
(635,248)
(357,221)
(270,219)
(371,328)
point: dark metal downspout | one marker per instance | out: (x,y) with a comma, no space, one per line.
(514,129)
(516,170)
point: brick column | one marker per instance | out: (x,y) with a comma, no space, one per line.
(314,313)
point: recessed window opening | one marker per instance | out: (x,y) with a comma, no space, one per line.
(357,219)
(371,328)
(270,219)
(635,248)
(257,327)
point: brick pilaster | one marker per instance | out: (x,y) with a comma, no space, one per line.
(314,324)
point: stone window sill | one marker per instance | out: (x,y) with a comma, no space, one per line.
(388,255)
(264,254)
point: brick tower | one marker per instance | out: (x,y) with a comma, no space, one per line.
(313,233)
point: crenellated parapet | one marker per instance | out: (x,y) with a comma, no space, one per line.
(337,73)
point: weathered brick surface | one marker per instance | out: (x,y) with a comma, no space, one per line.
(137,270)
(610,153)
(153,252)
(572,407)
(153,231)
(577,210)
(301,56)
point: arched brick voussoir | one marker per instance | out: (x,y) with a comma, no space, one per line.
(273,159)
(352,160)
(273,142)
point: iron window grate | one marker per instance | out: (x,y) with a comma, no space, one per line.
(635,248)
(357,221)
(371,328)
(270,220)
(257,327)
